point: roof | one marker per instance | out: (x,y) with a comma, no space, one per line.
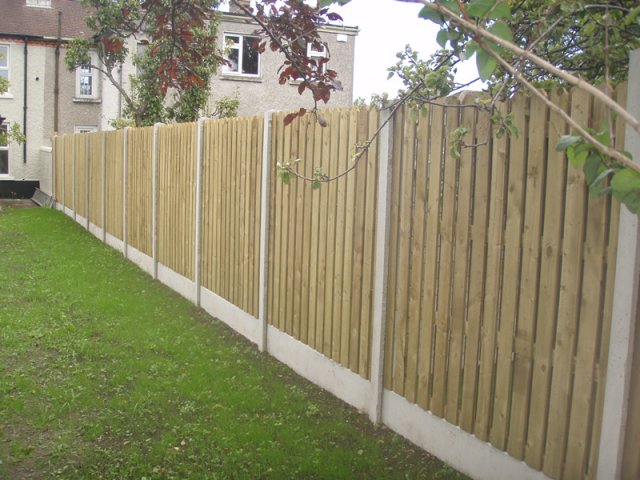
(20,20)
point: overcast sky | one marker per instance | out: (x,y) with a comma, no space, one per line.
(386,26)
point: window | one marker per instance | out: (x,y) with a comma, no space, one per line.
(4,153)
(39,3)
(87,81)
(243,58)
(85,129)
(316,54)
(4,61)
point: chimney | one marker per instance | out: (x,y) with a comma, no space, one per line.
(233,7)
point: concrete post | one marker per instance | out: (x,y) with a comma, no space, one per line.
(104,187)
(625,314)
(73,176)
(198,219)
(125,162)
(87,178)
(383,210)
(154,201)
(264,231)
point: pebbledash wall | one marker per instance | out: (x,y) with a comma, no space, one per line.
(483,306)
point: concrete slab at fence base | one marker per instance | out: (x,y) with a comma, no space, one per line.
(451,444)
(114,242)
(95,230)
(81,220)
(177,282)
(144,261)
(242,322)
(314,366)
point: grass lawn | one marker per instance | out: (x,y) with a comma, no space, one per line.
(105,373)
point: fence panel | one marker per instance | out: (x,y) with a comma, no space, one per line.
(320,281)
(68,183)
(81,165)
(96,143)
(176,197)
(139,185)
(232,159)
(500,270)
(58,145)
(114,186)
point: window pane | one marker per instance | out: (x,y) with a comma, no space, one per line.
(4,130)
(85,68)
(4,73)
(86,85)
(4,162)
(250,56)
(233,60)
(4,55)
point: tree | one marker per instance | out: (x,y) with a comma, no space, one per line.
(517,44)
(179,56)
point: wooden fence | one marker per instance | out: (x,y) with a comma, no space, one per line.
(499,273)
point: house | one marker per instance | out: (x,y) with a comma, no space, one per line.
(44,97)
(254,80)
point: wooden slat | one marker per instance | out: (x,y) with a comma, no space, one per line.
(566,329)
(398,132)
(495,245)
(532,231)
(349,325)
(405,208)
(416,256)
(590,316)
(549,287)
(369,247)
(427,307)
(460,267)
(445,272)
(510,276)
(295,220)
(314,214)
(478,253)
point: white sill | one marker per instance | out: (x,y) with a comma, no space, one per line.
(241,78)
(86,100)
(5,176)
(6,96)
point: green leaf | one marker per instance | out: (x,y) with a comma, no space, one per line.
(468,51)
(626,181)
(450,5)
(316,184)
(501,30)
(566,141)
(576,156)
(486,64)
(501,10)
(431,14)
(480,8)
(442,38)
(625,187)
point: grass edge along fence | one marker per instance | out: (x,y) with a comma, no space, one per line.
(467,303)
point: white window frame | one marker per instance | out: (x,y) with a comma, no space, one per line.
(39,3)
(84,71)
(5,148)
(85,128)
(240,47)
(8,67)
(313,53)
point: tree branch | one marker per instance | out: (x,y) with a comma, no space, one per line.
(516,50)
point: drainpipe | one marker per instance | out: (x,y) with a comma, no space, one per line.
(24,112)
(56,76)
